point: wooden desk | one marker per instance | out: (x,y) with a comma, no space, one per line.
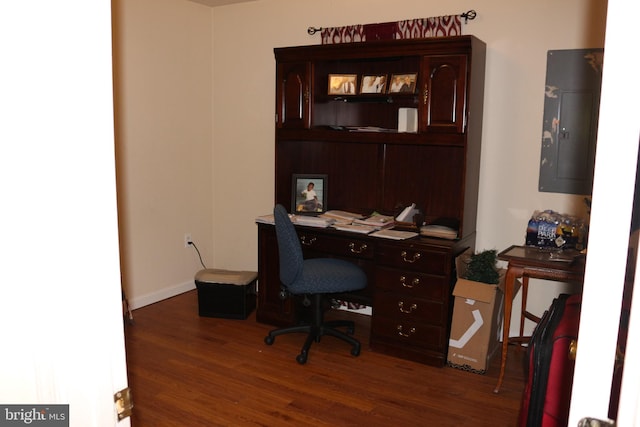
(409,287)
(525,262)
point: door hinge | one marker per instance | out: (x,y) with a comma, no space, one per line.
(594,422)
(124,403)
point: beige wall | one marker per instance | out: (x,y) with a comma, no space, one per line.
(163,110)
(218,200)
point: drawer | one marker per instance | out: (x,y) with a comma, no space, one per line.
(405,308)
(419,258)
(412,283)
(338,246)
(408,334)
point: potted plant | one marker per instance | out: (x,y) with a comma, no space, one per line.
(482,267)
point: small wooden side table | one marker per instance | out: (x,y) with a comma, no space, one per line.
(539,263)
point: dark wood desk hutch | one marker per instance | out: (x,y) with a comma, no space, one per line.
(437,167)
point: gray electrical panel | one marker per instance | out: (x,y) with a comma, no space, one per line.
(570,123)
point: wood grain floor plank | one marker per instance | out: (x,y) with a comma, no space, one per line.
(186,370)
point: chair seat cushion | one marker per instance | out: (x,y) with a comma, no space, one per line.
(328,275)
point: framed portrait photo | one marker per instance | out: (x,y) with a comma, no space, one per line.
(308,194)
(342,84)
(374,83)
(403,83)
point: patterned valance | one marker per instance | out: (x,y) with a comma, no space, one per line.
(438,26)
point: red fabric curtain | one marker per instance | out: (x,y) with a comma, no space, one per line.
(438,26)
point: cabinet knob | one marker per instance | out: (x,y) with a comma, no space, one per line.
(405,334)
(414,282)
(404,310)
(362,248)
(415,257)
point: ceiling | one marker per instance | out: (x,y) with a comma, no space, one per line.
(214,3)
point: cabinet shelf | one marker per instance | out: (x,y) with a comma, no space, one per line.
(377,98)
(392,137)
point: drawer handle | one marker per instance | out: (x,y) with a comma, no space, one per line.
(362,248)
(308,242)
(404,254)
(414,282)
(403,334)
(411,308)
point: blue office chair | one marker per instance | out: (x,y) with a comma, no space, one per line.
(315,277)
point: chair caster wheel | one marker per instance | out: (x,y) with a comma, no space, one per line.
(355,351)
(268,340)
(301,358)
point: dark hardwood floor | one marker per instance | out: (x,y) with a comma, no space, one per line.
(186,370)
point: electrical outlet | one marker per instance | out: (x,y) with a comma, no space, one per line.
(187,240)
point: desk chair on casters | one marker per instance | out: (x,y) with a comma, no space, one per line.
(316,277)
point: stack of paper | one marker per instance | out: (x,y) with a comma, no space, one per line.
(266,219)
(368,129)
(313,221)
(394,234)
(353,228)
(438,231)
(376,220)
(342,216)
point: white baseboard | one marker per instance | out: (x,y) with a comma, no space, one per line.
(160,295)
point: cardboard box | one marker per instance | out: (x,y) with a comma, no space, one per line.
(477,320)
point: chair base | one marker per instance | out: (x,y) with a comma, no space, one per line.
(318,329)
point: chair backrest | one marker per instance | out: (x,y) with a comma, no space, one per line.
(289,249)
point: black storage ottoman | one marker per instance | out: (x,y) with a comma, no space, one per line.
(224,293)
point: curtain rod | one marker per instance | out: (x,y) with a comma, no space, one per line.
(469,15)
